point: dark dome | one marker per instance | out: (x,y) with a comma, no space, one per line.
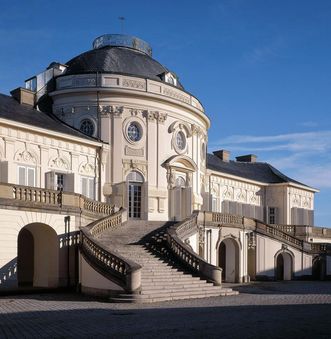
(120,60)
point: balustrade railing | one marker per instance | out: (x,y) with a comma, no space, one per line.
(187,228)
(285,228)
(37,195)
(175,238)
(122,271)
(225,218)
(98,207)
(8,272)
(282,235)
(107,223)
(285,233)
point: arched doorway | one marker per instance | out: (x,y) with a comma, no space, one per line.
(135,185)
(37,256)
(228,260)
(180,175)
(284,266)
(319,268)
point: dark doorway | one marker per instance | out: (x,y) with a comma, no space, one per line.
(319,268)
(280,267)
(222,259)
(25,258)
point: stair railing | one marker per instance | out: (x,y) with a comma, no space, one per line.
(111,265)
(175,239)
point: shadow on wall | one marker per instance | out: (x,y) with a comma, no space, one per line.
(42,260)
(8,274)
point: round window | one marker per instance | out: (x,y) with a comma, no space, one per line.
(87,127)
(180,140)
(134,131)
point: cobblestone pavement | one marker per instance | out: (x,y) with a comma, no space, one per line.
(262,310)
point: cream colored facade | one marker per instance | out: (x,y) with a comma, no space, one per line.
(146,152)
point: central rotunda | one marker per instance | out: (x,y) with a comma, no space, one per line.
(157,131)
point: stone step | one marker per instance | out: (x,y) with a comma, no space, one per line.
(182,289)
(143,298)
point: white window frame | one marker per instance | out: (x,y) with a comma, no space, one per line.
(89,193)
(26,176)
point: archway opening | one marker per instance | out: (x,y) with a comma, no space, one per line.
(319,269)
(228,260)
(284,266)
(37,256)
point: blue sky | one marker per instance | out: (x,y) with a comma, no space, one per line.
(261,68)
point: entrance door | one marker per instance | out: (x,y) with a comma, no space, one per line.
(135,184)
(280,267)
(134,200)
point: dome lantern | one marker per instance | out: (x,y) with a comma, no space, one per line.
(122,40)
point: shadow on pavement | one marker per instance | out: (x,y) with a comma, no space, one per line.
(255,321)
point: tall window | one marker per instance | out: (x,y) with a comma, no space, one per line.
(214,204)
(88,187)
(26,176)
(272,215)
(59,181)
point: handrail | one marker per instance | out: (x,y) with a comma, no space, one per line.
(36,195)
(110,222)
(186,255)
(226,218)
(114,267)
(97,206)
(49,197)
(285,233)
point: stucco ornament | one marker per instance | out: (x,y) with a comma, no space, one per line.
(87,168)
(26,156)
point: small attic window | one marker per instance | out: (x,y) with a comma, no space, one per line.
(170,78)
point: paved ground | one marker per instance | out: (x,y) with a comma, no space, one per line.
(262,310)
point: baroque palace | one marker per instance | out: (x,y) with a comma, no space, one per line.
(107,186)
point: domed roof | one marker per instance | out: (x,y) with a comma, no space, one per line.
(112,58)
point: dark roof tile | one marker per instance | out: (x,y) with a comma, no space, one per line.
(257,171)
(10,109)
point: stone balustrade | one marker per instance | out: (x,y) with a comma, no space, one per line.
(284,233)
(122,271)
(225,218)
(34,196)
(175,238)
(117,81)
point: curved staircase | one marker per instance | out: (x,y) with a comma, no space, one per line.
(161,278)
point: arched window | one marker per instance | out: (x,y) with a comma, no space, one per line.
(135,176)
(87,127)
(180,182)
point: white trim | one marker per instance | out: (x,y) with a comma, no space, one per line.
(50,132)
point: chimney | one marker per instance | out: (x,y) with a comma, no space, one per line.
(23,96)
(223,155)
(247,158)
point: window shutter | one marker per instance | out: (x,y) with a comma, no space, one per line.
(21,176)
(84,186)
(4,171)
(31,177)
(91,188)
(69,182)
(225,206)
(50,180)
